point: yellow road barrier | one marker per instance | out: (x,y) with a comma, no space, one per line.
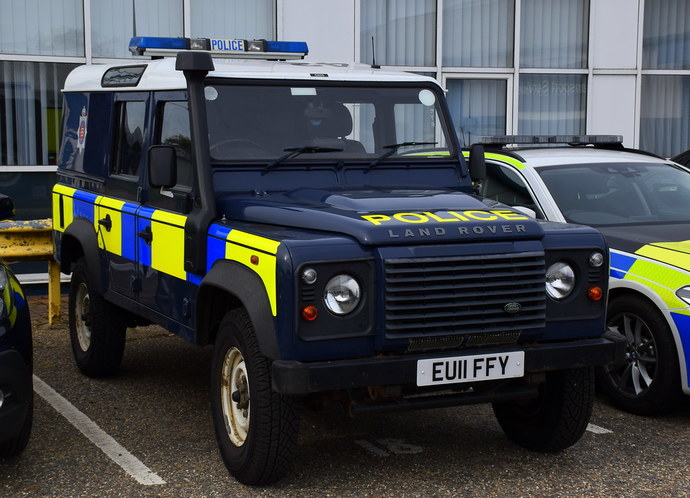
(33,241)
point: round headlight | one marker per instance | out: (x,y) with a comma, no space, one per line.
(342,294)
(560,280)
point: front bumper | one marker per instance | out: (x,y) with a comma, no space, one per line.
(17,383)
(296,378)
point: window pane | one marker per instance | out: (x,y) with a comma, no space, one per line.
(478,33)
(554,33)
(175,131)
(403,31)
(42,28)
(113,23)
(665,114)
(130,143)
(30,193)
(666,43)
(234,19)
(552,104)
(31,111)
(478,108)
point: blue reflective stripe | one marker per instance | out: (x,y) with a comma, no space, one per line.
(128,242)
(219,231)
(130,208)
(142,246)
(621,262)
(83,209)
(195,279)
(216,244)
(617,274)
(683,324)
(85,196)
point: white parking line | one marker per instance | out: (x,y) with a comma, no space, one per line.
(113,450)
(598,430)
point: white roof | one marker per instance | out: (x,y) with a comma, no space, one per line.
(162,75)
(553,156)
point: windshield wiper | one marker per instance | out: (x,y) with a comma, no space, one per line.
(393,149)
(296,151)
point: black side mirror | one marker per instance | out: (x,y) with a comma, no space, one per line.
(477,163)
(6,207)
(162,166)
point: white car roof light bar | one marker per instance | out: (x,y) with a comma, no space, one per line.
(502,140)
(219,47)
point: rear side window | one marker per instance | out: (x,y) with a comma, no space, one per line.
(130,120)
(175,131)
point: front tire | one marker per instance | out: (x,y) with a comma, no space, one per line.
(649,381)
(256,428)
(97,328)
(557,418)
(13,447)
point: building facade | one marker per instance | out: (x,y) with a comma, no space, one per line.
(510,66)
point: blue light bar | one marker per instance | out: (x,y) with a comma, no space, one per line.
(221,47)
(287,46)
(140,44)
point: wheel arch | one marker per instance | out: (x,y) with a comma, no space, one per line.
(230,285)
(80,239)
(640,291)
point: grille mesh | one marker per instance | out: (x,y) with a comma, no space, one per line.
(464,294)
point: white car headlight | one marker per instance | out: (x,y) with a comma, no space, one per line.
(342,294)
(560,280)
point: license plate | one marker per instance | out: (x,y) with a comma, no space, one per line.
(458,369)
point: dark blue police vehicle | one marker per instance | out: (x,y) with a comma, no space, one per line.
(316,224)
(16,352)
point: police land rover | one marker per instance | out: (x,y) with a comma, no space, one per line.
(316,224)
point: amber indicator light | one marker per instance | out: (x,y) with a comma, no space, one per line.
(595,293)
(309,313)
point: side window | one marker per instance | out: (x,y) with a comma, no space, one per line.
(504,185)
(129,145)
(175,131)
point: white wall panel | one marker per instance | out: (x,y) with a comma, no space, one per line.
(328,27)
(614,34)
(612,106)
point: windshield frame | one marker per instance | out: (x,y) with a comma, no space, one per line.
(325,152)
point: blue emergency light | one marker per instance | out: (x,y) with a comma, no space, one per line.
(222,47)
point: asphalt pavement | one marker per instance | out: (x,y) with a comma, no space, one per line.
(148,432)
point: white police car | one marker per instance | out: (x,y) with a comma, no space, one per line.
(641,203)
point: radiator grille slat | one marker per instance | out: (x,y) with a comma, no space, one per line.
(464,294)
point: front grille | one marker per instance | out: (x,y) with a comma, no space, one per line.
(464,294)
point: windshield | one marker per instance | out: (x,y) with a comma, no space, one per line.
(269,122)
(620,194)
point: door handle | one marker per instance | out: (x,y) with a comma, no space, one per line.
(106,223)
(147,235)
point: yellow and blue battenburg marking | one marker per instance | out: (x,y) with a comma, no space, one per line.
(257,253)
(164,252)
(663,280)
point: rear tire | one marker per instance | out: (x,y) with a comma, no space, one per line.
(256,428)
(97,327)
(557,418)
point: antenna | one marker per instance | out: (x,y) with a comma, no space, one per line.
(373,55)
(134,17)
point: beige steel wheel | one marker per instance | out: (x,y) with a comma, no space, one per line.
(256,428)
(97,328)
(235,396)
